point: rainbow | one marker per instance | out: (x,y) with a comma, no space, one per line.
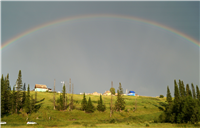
(190,39)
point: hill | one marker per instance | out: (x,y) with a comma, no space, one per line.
(147,109)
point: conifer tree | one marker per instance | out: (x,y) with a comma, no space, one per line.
(169,97)
(101,107)
(187,90)
(13,100)
(84,103)
(193,91)
(176,92)
(7,95)
(63,96)
(24,95)
(198,92)
(2,94)
(119,104)
(90,108)
(27,105)
(183,89)
(120,89)
(18,92)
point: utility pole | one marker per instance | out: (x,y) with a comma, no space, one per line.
(69,85)
(111,100)
(66,92)
(54,95)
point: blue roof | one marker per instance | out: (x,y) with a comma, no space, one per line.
(131,92)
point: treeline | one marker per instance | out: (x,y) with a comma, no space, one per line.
(185,107)
(87,106)
(16,100)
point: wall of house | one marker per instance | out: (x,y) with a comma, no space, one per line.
(40,89)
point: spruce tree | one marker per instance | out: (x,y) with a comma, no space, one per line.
(120,89)
(198,92)
(119,104)
(24,95)
(176,92)
(18,92)
(27,105)
(7,95)
(2,94)
(63,97)
(84,103)
(101,107)
(169,97)
(193,91)
(90,108)
(13,100)
(187,90)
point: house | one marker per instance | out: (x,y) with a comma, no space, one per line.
(131,93)
(49,89)
(96,93)
(107,93)
(41,88)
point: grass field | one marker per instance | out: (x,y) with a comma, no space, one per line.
(148,108)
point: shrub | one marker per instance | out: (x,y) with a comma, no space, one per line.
(161,96)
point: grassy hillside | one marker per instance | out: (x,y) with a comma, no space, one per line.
(148,108)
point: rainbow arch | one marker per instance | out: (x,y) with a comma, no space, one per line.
(190,39)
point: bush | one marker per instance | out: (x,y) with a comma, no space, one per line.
(161,96)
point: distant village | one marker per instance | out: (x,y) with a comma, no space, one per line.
(43,88)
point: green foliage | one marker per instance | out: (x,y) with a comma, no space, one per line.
(120,103)
(101,107)
(84,103)
(193,91)
(112,90)
(198,93)
(27,106)
(161,96)
(90,108)
(169,97)
(184,108)
(120,89)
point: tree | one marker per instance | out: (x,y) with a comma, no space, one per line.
(90,108)
(120,89)
(27,106)
(112,90)
(119,104)
(176,92)
(13,100)
(2,94)
(84,103)
(64,98)
(198,92)
(101,107)
(183,109)
(169,97)
(18,93)
(24,95)
(7,94)
(193,91)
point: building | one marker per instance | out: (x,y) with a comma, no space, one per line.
(107,93)
(41,88)
(96,93)
(131,93)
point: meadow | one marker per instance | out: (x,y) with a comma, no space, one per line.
(147,110)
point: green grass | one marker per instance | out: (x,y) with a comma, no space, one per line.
(148,108)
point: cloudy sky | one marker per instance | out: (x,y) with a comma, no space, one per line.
(104,43)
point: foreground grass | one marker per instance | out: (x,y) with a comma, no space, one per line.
(148,108)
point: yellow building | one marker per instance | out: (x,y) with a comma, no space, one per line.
(107,93)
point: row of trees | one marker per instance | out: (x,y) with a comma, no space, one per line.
(12,101)
(87,106)
(185,107)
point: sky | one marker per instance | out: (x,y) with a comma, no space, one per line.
(103,43)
